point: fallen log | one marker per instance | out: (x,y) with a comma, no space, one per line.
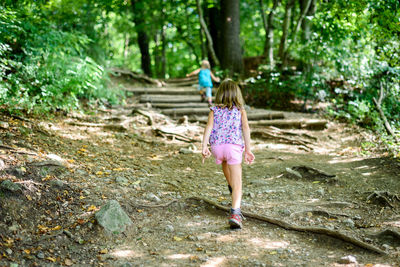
(288,226)
(313,124)
(112,127)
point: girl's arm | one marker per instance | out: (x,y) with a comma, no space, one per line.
(248,155)
(206,137)
(215,79)
(193,73)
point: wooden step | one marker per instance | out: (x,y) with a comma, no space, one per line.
(179,105)
(256,115)
(164,90)
(169,98)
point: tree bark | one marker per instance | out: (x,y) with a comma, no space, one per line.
(269,32)
(232,54)
(143,39)
(207,33)
(285,33)
(303,14)
(306,26)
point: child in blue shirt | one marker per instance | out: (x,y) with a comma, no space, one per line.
(205,80)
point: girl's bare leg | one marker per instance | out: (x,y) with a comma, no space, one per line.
(235,172)
(210,100)
(227,174)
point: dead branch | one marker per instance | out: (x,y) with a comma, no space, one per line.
(310,172)
(288,226)
(264,134)
(13,150)
(383,198)
(140,112)
(155,206)
(113,127)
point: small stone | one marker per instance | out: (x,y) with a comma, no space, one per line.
(57,183)
(320,191)
(121,180)
(293,172)
(185,151)
(40,255)
(2,165)
(4,125)
(10,186)
(169,228)
(348,260)
(251,195)
(152,197)
(55,157)
(9,251)
(387,247)
(349,222)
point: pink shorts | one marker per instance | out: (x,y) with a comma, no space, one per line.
(230,153)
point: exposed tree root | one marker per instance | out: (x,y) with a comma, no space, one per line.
(156,206)
(140,112)
(175,135)
(288,226)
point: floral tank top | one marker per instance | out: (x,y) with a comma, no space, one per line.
(227,128)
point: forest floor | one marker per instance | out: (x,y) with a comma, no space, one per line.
(67,167)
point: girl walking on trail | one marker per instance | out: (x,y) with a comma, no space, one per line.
(228,133)
(205,80)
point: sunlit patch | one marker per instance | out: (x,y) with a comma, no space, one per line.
(125,254)
(179,256)
(213,262)
(366,174)
(225,238)
(394,223)
(345,160)
(268,244)
(362,167)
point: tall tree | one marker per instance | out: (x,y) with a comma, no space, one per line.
(269,31)
(285,32)
(138,9)
(203,25)
(232,52)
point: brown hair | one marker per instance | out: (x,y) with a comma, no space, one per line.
(229,95)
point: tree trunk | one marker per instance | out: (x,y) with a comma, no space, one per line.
(285,33)
(214,22)
(269,32)
(232,54)
(143,39)
(207,33)
(303,14)
(306,26)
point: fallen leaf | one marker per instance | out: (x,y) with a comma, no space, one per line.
(103,251)
(273,252)
(176,238)
(27,251)
(58,227)
(68,262)
(51,259)
(92,208)
(99,173)
(28,197)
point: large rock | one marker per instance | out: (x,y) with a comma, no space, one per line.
(113,218)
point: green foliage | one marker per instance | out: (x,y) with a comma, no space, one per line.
(44,68)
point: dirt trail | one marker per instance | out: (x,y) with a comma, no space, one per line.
(70,166)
